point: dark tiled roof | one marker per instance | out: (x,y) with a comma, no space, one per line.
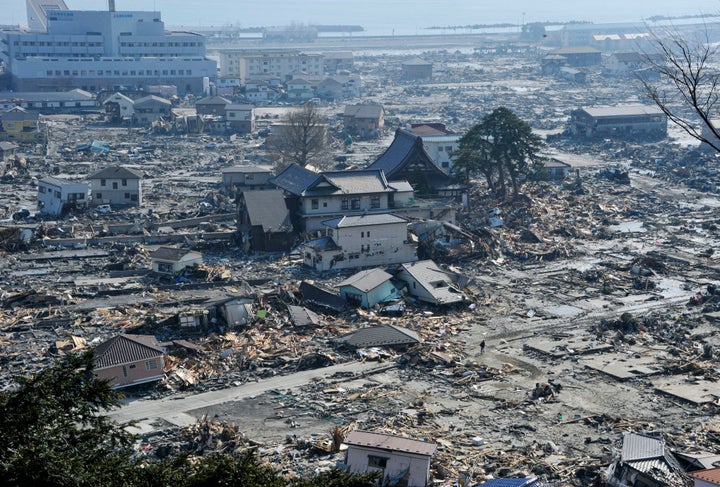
(390,443)
(379,336)
(267,208)
(301,316)
(123,349)
(349,182)
(116,172)
(314,294)
(322,243)
(404,148)
(294,179)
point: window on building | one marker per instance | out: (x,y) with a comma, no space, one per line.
(103,182)
(314,204)
(165,267)
(377,462)
(375,202)
(98,196)
(151,364)
(127,196)
(133,197)
(115,185)
(355,203)
(124,182)
(344,204)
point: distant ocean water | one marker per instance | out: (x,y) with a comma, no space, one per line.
(385,17)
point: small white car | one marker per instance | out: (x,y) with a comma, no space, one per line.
(103,209)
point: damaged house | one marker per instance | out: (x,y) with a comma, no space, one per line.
(402,461)
(429,283)
(368,288)
(57,196)
(127,360)
(645,461)
(172,261)
(360,241)
(116,185)
(264,221)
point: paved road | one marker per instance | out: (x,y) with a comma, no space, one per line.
(173,409)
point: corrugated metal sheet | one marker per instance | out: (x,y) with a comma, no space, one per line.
(379,336)
(641,447)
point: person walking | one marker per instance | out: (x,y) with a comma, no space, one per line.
(482,347)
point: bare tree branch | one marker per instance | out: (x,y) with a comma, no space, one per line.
(687,91)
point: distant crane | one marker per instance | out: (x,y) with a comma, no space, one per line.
(111,5)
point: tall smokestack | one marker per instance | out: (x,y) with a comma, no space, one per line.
(111,5)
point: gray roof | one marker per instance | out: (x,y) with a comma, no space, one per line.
(267,208)
(8,146)
(364,111)
(151,99)
(322,243)
(294,179)
(49,96)
(379,336)
(302,316)
(116,172)
(576,50)
(641,447)
(439,283)
(58,182)
(390,443)
(623,110)
(416,61)
(348,182)
(123,349)
(250,169)
(366,280)
(17,114)
(363,220)
(239,107)
(213,100)
(170,253)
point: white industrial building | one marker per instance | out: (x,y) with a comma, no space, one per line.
(102,50)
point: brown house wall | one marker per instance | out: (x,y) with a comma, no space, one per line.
(139,373)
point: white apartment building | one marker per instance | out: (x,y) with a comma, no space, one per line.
(270,64)
(102,50)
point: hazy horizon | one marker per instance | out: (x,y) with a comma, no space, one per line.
(383,17)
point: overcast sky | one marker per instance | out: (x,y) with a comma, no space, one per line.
(372,14)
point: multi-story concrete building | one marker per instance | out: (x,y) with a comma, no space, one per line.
(101,50)
(270,64)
